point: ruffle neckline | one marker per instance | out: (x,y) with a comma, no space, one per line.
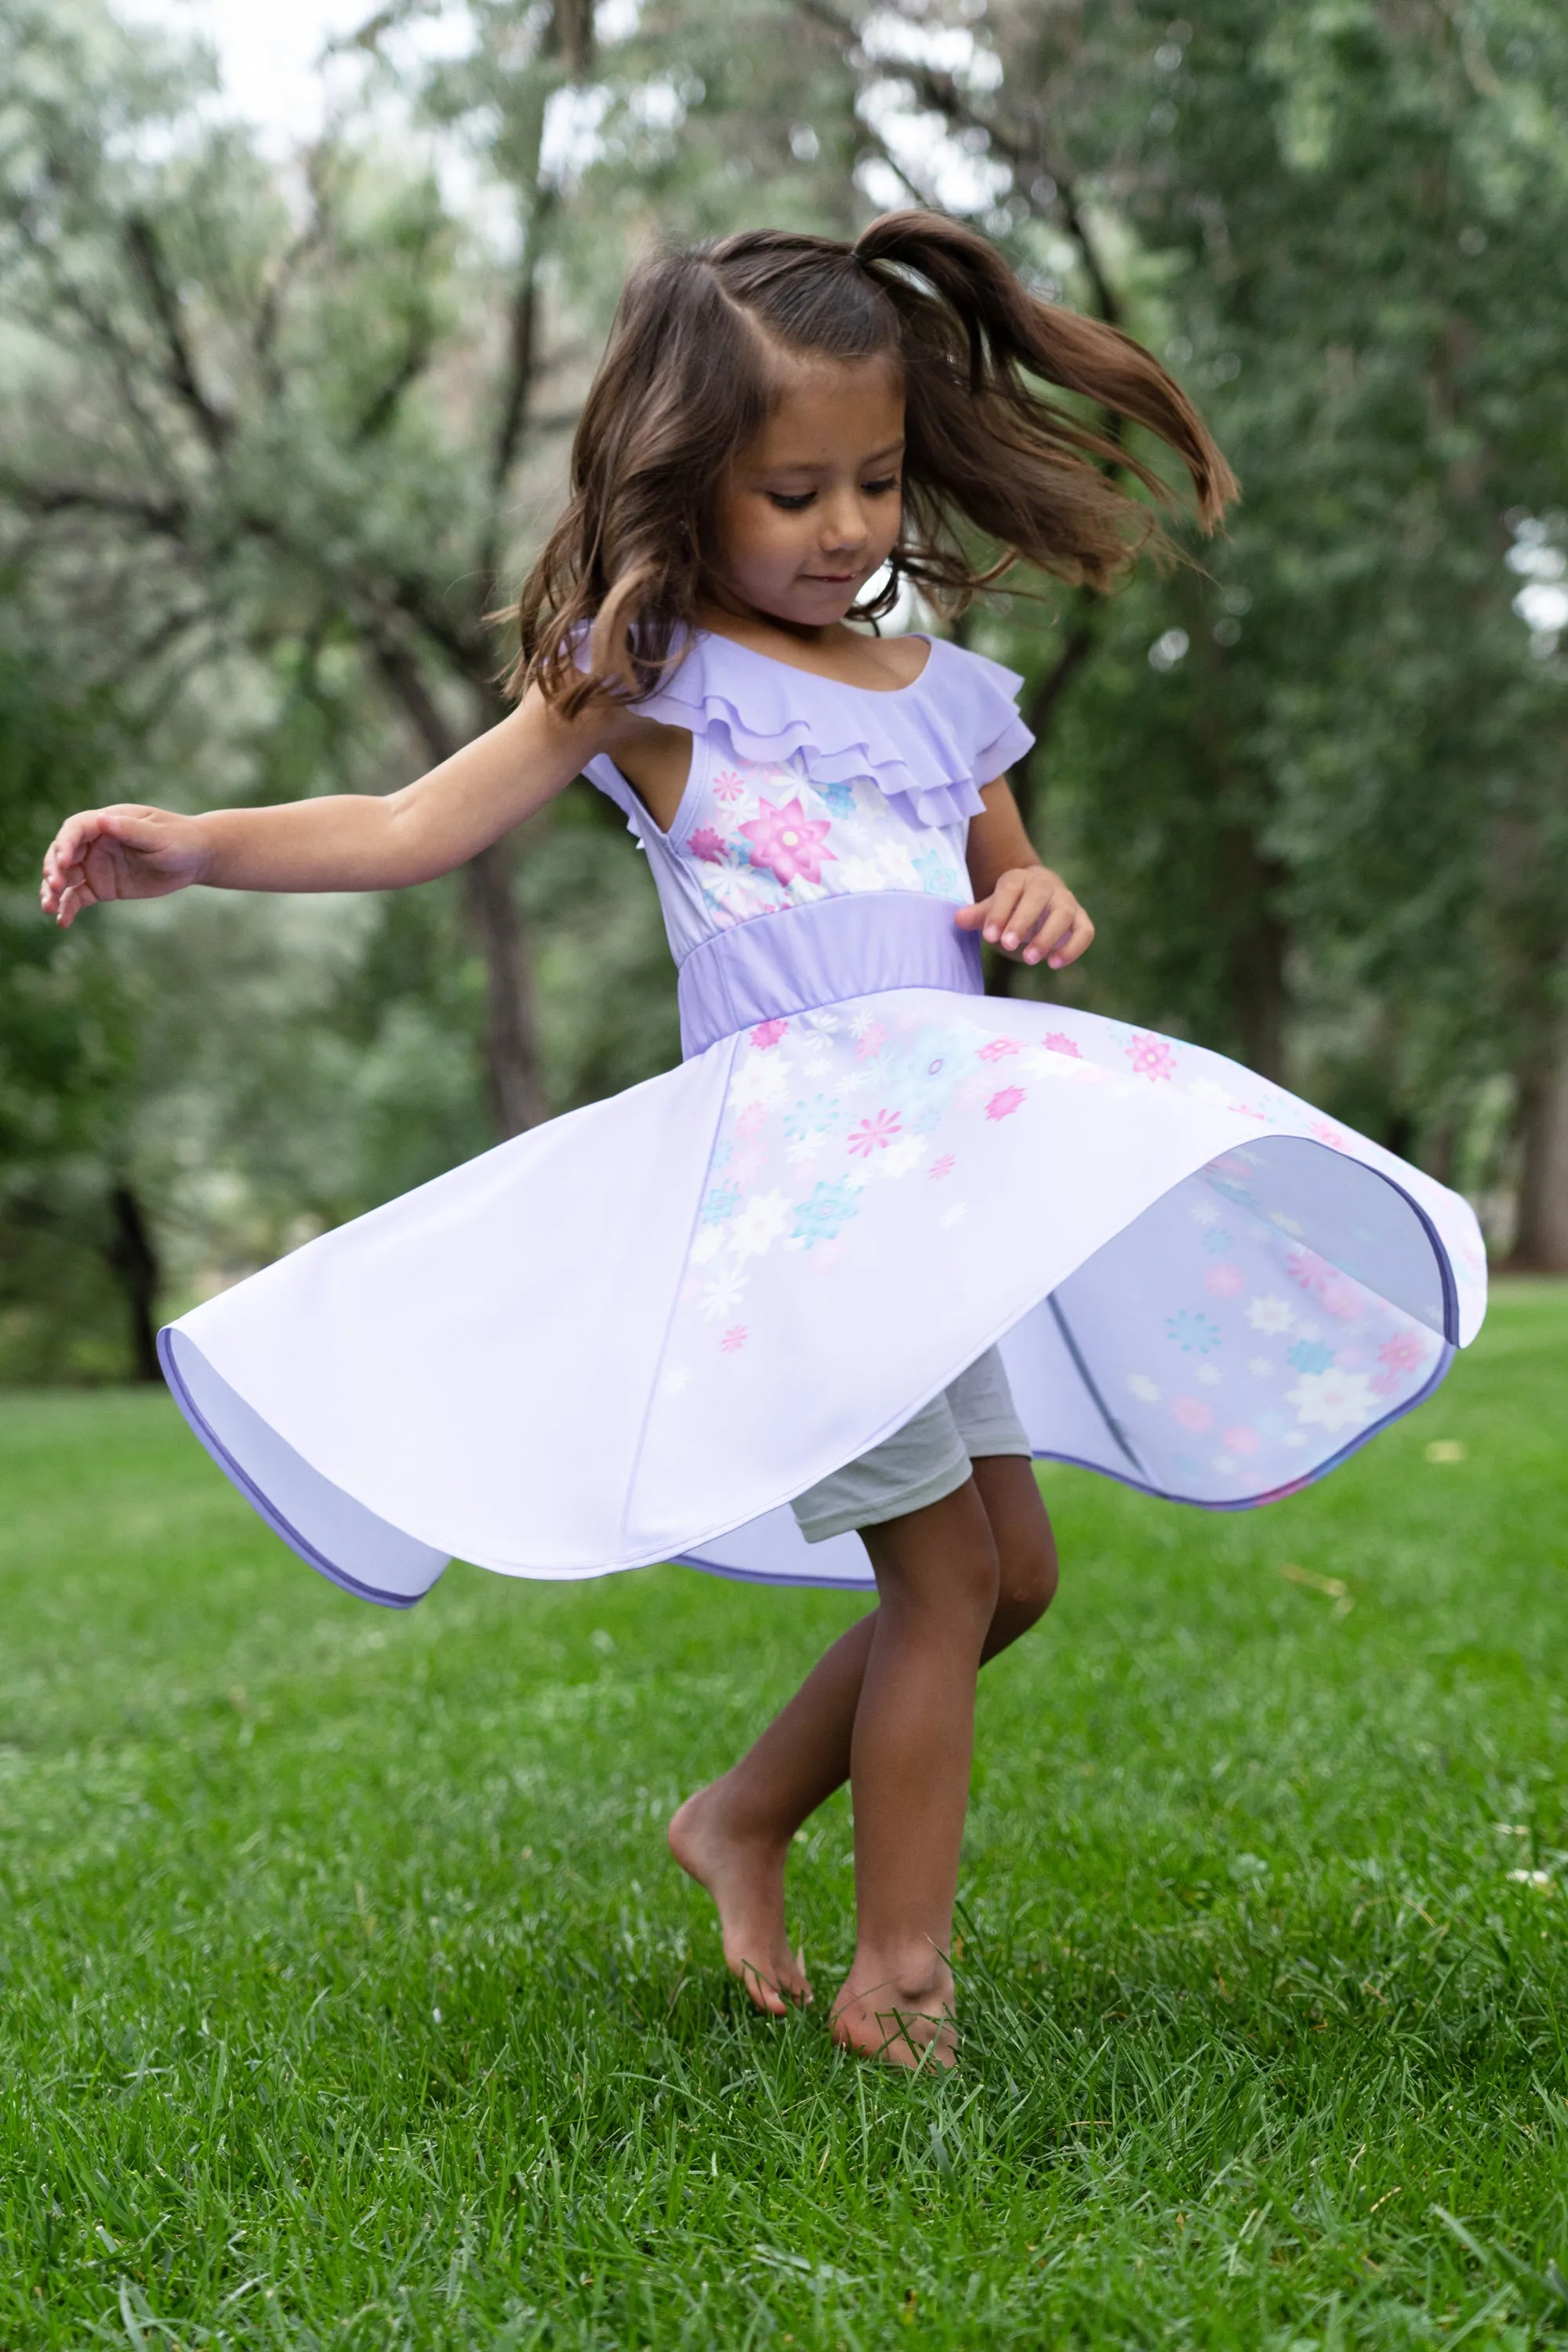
(930,745)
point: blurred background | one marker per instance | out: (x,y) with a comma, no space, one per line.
(297,306)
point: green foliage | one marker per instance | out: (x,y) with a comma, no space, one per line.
(350,1994)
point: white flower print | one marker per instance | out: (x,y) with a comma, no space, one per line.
(708,1242)
(900,1158)
(1203,1213)
(722,1295)
(674,1380)
(1334,1400)
(760,1224)
(1286,1225)
(1270,1313)
(953,1216)
(1146,1390)
(806,1148)
(1209,1374)
(1261,1368)
(762,1081)
(1209,1090)
(1226,1465)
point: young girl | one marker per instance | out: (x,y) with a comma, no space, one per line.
(805,1307)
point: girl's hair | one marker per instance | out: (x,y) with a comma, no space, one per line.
(686,383)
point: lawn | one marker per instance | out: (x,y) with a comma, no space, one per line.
(349,1998)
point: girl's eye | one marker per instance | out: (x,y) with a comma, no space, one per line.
(880,490)
(792,501)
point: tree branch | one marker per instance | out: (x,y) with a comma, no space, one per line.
(146,259)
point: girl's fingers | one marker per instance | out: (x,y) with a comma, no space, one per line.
(1078,941)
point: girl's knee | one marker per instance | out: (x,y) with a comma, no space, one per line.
(1027,1582)
(942,1559)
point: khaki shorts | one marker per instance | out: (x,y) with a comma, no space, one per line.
(928,1458)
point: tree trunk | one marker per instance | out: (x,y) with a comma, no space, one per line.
(511,1038)
(512,1058)
(1542,1240)
(1260,995)
(134,1262)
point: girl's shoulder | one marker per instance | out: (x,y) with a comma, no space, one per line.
(931,743)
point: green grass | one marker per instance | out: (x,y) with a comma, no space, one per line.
(347,1998)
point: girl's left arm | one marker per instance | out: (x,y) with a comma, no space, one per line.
(1020,906)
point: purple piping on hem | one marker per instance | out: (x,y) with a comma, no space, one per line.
(1159,1494)
(237,1477)
(831,949)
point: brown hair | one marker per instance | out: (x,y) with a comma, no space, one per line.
(685,385)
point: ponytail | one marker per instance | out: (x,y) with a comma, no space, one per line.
(985,446)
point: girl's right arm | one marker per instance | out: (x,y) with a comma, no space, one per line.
(349,842)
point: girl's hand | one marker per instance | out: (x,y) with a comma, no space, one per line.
(1031,914)
(126,852)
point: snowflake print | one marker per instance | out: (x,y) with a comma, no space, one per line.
(1058,1042)
(1004,1103)
(1261,1368)
(768,1033)
(1194,1333)
(1145,1389)
(1271,1314)
(711,846)
(874,1134)
(1311,1355)
(1152,1057)
(721,1203)
(997,1049)
(1403,1353)
(734,1339)
(1217,1242)
(942,1167)
(820,1115)
(788,842)
(935,875)
(1203,1214)
(818,1217)
(839,798)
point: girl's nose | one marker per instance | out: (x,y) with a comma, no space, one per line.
(843,524)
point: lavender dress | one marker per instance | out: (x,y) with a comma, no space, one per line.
(634,1334)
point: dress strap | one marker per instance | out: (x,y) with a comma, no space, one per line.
(822,953)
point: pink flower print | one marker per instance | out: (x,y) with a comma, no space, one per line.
(1152,1057)
(727,785)
(998,1050)
(1403,1353)
(734,1339)
(1193,1413)
(788,842)
(1241,1441)
(1058,1042)
(1385,1383)
(1224,1281)
(1002,1105)
(874,1134)
(1343,1301)
(768,1033)
(942,1167)
(870,1041)
(711,846)
(1326,1132)
(753,1118)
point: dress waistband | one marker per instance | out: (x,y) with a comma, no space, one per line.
(821,954)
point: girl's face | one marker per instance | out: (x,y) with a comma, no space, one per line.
(812,509)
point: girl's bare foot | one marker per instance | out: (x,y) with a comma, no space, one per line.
(744,1874)
(905,2019)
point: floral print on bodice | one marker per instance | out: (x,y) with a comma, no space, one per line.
(802,788)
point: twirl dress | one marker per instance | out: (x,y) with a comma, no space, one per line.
(635,1333)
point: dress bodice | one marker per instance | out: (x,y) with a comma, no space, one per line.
(803,789)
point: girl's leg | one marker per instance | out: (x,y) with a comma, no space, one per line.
(938,1581)
(734,1836)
